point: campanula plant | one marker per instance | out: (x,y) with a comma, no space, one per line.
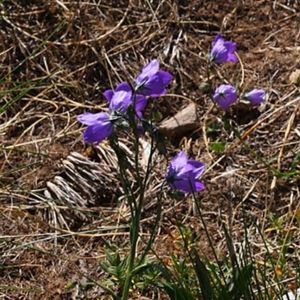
(126,107)
(127,103)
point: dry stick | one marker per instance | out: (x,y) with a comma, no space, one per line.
(60,3)
(48,76)
(287,132)
(242,70)
(111,65)
(204,131)
(130,44)
(98,38)
(289,229)
(245,198)
(35,53)
(154,15)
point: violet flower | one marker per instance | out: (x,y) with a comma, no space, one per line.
(225,95)
(100,125)
(123,86)
(256,96)
(183,173)
(139,101)
(222,51)
(152,81)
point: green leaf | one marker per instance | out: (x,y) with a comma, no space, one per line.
(217,147)
(156,115)
(176,292)
(203,277)
(213,127)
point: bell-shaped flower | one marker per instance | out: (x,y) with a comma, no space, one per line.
(222,51)
(101,125)
(256,96)
(123,86)
(152,81)
(225,95)
(139,101)
(183,174)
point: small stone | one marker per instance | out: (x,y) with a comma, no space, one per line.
(295,77)
(182,123)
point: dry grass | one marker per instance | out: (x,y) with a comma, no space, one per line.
(57,57)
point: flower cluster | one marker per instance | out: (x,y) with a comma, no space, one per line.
(151,82)
(226,95)
(182,173)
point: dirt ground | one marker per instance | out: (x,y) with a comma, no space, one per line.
(56,59)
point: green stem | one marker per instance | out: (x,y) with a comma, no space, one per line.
(135,226)
(207,234)
(156,223)
(134,230)
(134,233)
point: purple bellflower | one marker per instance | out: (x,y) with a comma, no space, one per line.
(100,125)
(183,173)
(152,81)
(256,96)
(222,51)
(123,86)
(225,95)
(139,101)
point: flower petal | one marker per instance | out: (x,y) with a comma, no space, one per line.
(182,174)
(183,185)
(223,51)
(153,87)
(198,167)
(218,37)
(123,86)
(90,118)
(231,48)
(256,96)
(199,186)
(152,81)
(140,104)
(108,94)
(188,185)
(148,71)
(97,132)
(165,77)
(120,101)
(179,161)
